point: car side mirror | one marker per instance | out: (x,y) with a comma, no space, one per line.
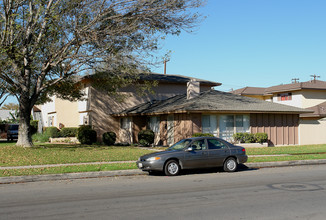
(190,148)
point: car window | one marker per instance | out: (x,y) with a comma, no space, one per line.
(199,145)
(215,144)
(13,127)
(180,145)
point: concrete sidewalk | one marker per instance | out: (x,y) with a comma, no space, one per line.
(66,176)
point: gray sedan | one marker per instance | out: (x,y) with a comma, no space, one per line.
(192,153)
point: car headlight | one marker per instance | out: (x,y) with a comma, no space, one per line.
(153,159)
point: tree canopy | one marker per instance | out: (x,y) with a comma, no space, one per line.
(45,44)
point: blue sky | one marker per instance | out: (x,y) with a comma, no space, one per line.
(252,43)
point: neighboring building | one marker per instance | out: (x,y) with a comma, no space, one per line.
(310,95)
(6,115)
(180,107)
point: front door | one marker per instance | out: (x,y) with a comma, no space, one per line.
(198,157)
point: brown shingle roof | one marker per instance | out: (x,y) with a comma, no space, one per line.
(212,101)
(175,79)
(313,84)
(250,91)
(178,79)
(319,111)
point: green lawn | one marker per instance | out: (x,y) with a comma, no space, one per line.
(11,155)
(303,149)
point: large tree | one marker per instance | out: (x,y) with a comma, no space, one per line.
(45,44)
(3,93)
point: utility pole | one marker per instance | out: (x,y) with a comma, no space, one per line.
(295,80)
(314,76)
(165,61)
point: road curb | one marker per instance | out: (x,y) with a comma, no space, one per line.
(67,176)
(84,175)
(285,163)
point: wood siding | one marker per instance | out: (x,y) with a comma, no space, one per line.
(282,129)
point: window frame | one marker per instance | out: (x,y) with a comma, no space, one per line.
(218,117)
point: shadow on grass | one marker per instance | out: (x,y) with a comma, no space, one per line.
(68,146)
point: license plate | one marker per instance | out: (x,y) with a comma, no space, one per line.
(140,165)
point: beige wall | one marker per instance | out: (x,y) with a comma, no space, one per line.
(256,96)
(312,131)
(312,97)
(67,113)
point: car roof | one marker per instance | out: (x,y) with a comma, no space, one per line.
(196,138)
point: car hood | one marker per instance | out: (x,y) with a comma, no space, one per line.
(158,154)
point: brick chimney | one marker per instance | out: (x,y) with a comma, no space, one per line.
(193,89)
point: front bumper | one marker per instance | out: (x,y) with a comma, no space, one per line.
(150,165)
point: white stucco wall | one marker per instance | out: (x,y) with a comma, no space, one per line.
(296,100)
(82,105)
(47,108)
(312,131)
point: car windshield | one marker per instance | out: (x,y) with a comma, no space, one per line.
(13,127)
(179,145)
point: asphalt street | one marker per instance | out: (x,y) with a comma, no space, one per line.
(269,193)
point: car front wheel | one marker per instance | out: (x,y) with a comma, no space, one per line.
(230,165)
(172,168)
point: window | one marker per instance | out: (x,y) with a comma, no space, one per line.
(215,144)
(242,123)
(284,96)
(180,145)
(125,123)
(154,124)
(224,126)
(199,145)
(209,124)
(50,121)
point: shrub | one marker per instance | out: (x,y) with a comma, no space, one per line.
(249,138)
(109,138)
(68,132)
(146,137)
(202,135)
(34,126)
(38,137)
(261,137)
(239,137)
(86,135)
(52,132)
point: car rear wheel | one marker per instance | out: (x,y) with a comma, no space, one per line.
(172,168)
(230,165)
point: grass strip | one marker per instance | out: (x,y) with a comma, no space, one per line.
(67,169)
(286,158)
(302,149)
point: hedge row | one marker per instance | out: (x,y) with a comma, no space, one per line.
(250,138)
(54,132)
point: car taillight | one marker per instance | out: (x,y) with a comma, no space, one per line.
(243,150)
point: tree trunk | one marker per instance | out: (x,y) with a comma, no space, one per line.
(24,133)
